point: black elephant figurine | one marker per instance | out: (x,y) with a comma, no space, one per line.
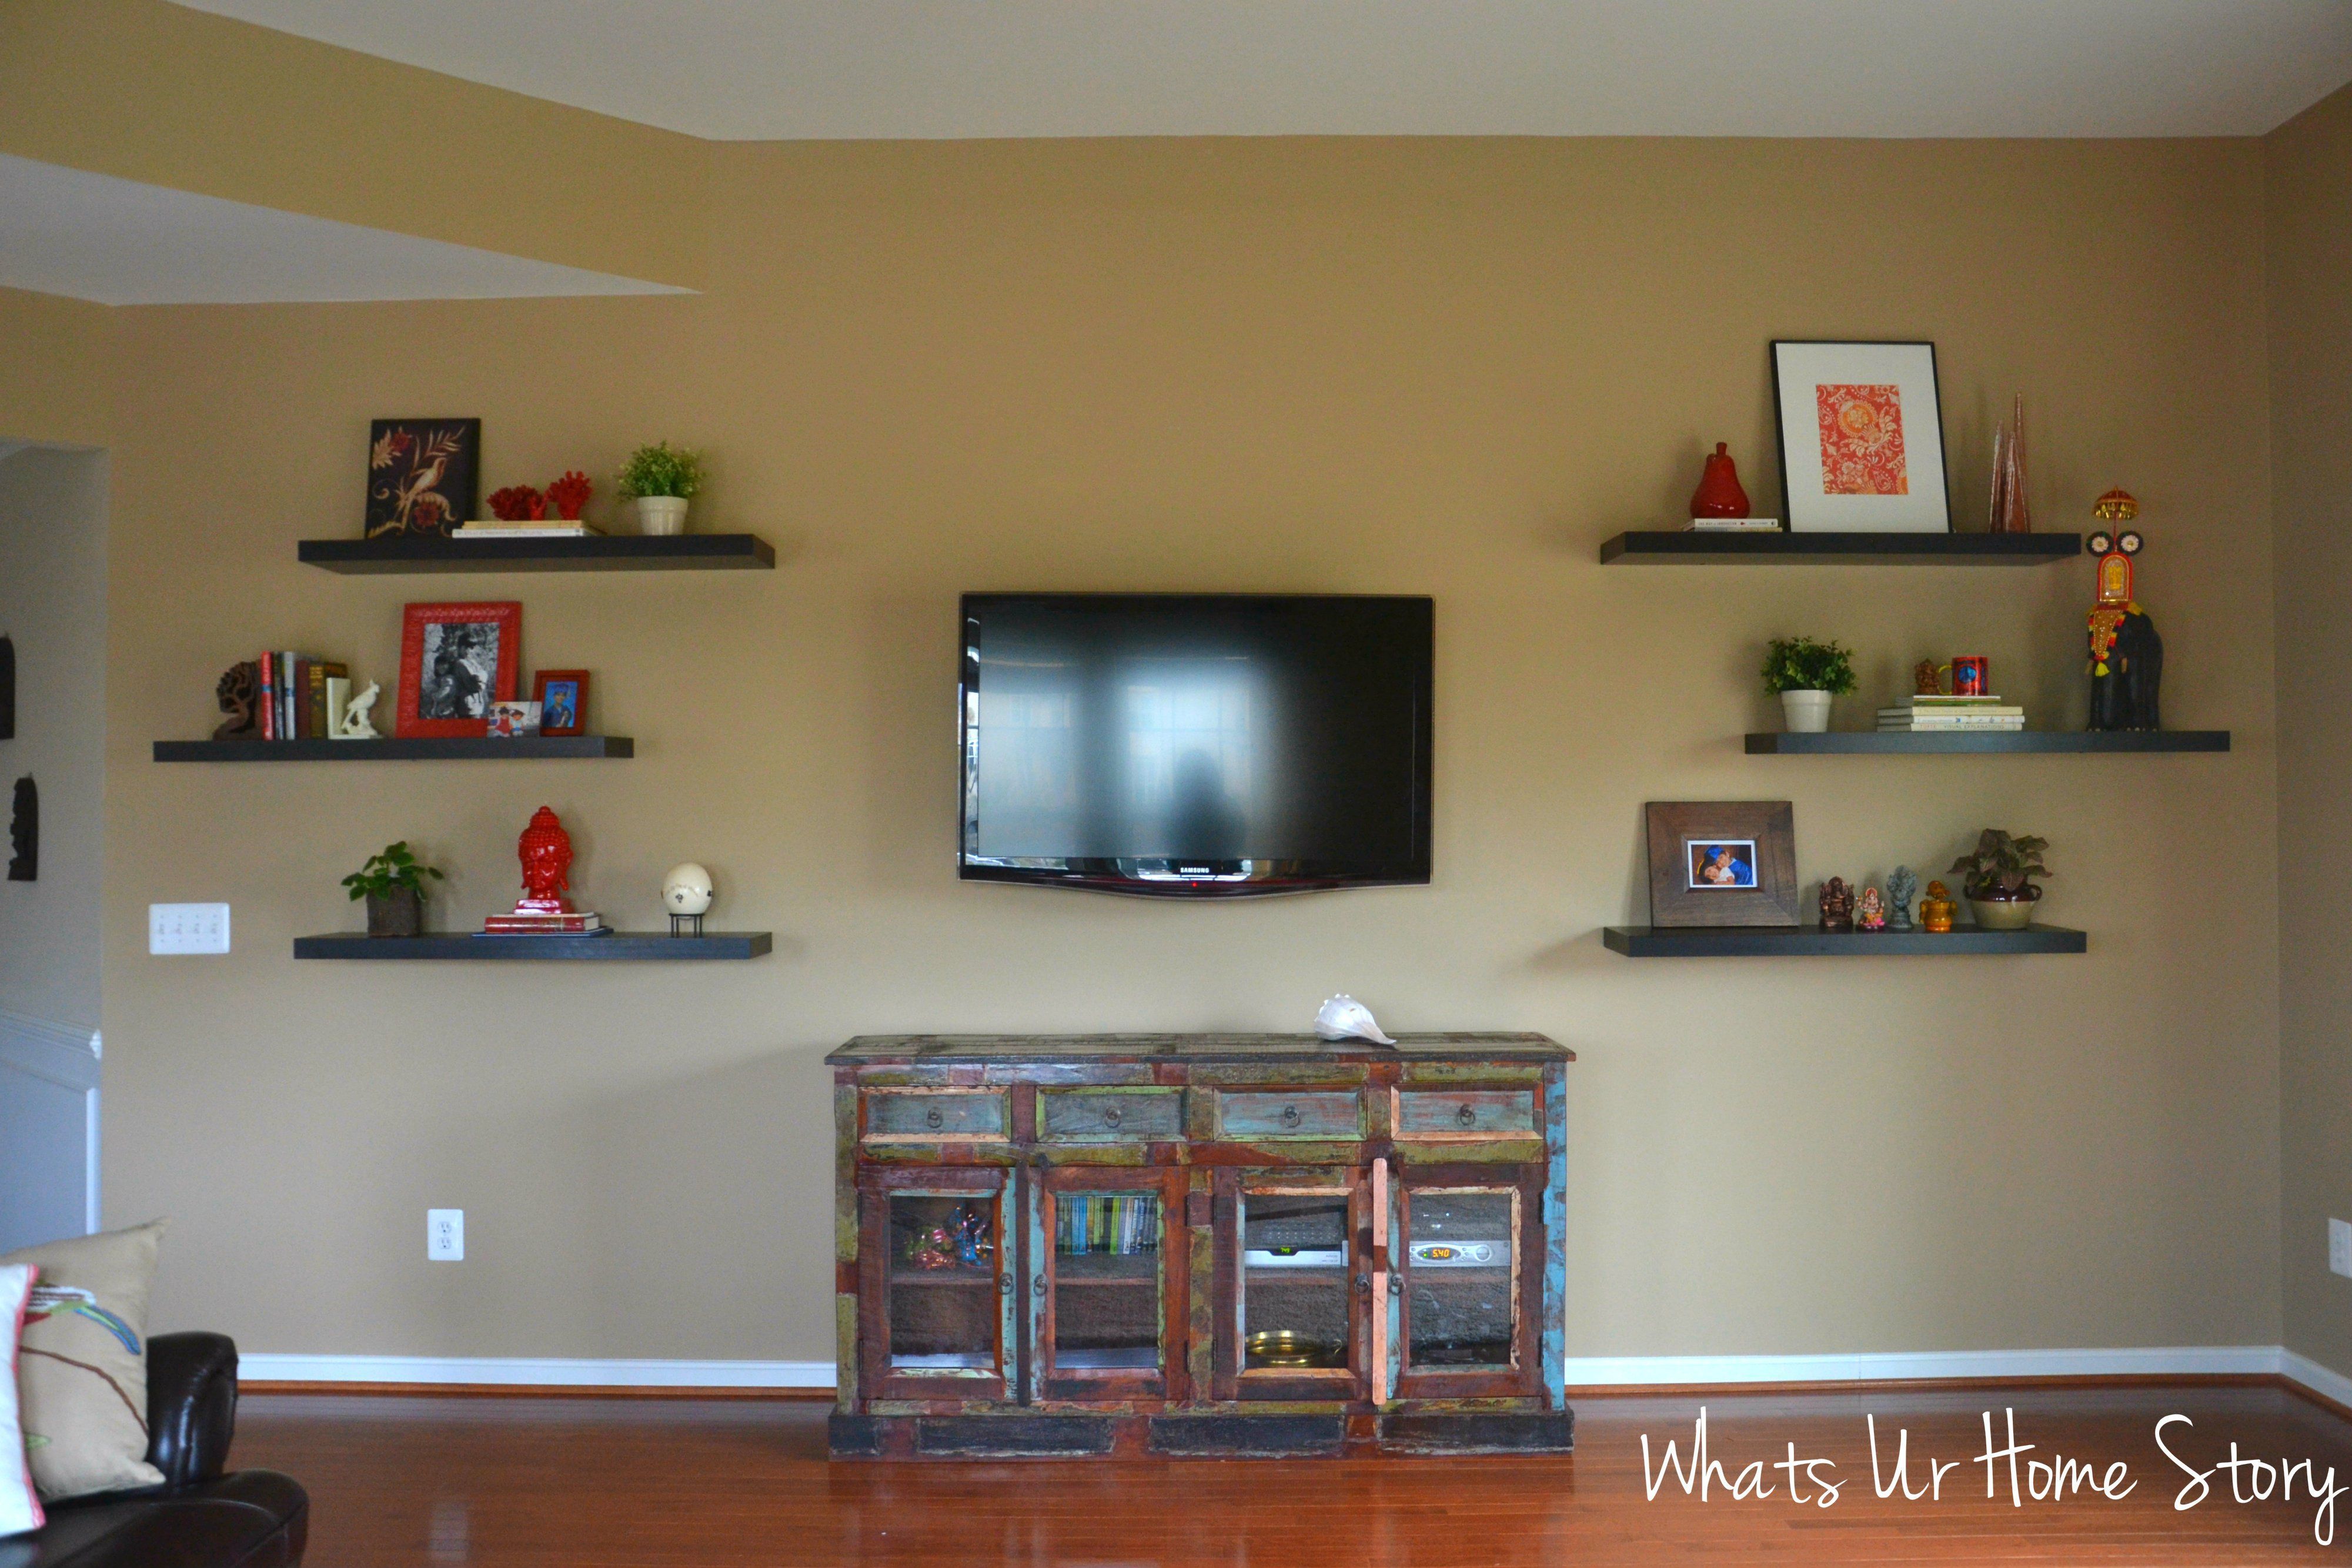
(2126,655)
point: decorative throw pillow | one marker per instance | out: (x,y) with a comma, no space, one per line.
(81,1369)
(20,1508)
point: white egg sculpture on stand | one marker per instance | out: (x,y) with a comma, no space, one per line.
(685,893)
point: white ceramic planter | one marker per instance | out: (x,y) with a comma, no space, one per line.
(661,514)
(1808,712)
(2003,914)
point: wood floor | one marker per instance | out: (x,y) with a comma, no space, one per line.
(595,1483)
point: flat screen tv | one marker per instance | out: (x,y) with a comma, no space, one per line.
(1196,745)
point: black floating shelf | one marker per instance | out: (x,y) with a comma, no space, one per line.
(1678,547)
(595,552)
(399,748)
(1812,942)
(620,946)
(1943,744)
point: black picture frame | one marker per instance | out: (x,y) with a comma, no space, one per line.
(1767,897)
(1790,505)
(424,477)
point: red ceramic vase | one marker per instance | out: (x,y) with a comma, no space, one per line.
(1718,493)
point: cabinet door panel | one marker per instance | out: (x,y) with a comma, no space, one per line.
(1468,1255)
(1295,1285)
(1109,1249)
(937,1284)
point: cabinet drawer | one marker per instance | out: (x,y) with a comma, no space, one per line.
(1300,1113)
(1464,1112)
(1096,1113)
(921,1114)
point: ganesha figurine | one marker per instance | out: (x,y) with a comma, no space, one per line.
(1870,915)
(1837,905)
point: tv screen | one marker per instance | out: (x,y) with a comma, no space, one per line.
(1196,745)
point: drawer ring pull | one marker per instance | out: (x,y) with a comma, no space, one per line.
(934,1118)
(1467,1115)
(1290,1115)
(1111,1117)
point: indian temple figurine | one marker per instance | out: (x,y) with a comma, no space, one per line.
(1901,889)
(1870,915)
(1926,678)
(2126,655)
(1837,905)
(1937,909)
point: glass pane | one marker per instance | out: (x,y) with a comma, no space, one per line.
(944,1309)
(1295,1297)
(1106,1281)
(1459,1277)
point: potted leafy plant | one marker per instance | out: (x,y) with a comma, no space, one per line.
(1807,675)
(661,479)
(392,884)
(1998,879)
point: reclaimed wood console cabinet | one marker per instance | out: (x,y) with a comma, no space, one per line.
(1200,1244)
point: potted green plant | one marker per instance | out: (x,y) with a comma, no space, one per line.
(1806,675)
(661,479)
(393,882)
(1998,879)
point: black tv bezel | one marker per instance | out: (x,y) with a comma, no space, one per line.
(1104,876)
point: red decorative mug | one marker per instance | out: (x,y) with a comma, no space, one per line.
(1972,675)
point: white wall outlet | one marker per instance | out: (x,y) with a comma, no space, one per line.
(187,928)
(445,1235)
(2339,1248)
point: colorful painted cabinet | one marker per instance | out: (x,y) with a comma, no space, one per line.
(1200,1244)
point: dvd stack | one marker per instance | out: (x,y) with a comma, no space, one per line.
(1121,1224)
(1928,714)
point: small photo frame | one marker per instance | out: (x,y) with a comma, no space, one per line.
(562,696)
(455,660)
(1722,863)
(1862,438)
(513,721)
(423,476)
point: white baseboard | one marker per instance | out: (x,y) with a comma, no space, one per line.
(1583,1372)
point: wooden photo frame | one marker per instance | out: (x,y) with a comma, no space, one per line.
(455,660)
(563,699)
(1722,863)
(1862,438)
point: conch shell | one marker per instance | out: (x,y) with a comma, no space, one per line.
(1344,1017)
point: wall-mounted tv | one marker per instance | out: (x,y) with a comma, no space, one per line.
(1196,745)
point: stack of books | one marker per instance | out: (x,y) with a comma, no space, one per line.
(1734,526)
(567,923)
(1925,713)
(291,704)
(1122,1224)
(524,529)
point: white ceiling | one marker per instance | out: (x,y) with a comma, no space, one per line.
(794,69)
(65,231)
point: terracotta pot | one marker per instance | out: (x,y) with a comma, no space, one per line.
(2003,914)
(1807,712)
(399,912)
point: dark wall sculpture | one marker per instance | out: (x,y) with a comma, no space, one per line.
(24,833)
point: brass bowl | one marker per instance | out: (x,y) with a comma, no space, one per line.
(1289,1348)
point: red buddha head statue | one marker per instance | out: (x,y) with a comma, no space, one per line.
(546,850)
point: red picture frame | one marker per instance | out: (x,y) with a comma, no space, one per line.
(578,681)
(455,660)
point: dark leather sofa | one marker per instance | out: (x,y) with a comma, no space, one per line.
(200,1517)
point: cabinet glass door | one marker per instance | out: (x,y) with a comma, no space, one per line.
(946,1297)
(1296,1296)
(1464,1269)
(1107,1238)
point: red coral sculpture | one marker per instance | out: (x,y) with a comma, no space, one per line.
(569,495)
(518,504)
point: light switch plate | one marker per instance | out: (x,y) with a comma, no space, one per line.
(182,928)
(2339,1248)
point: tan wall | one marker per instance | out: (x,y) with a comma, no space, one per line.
(146,90)
(1446,367)
(60,379)
(2308,171)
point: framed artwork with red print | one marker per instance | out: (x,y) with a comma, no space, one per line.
(1862,438)
(423,476)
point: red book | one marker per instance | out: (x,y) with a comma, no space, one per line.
(269,704)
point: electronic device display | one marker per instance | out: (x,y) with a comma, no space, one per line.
(1196,746)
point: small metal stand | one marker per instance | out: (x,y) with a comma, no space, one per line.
(692,921)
